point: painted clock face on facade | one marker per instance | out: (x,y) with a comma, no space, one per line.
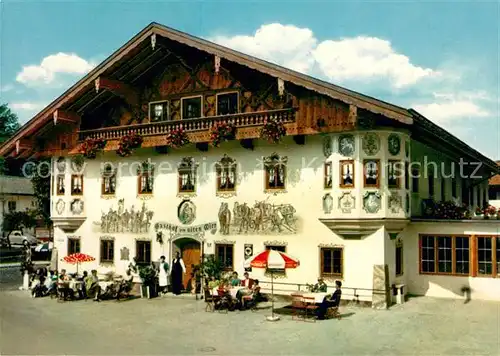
(346,145)
(394,143)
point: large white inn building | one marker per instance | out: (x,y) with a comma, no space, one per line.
(358,189)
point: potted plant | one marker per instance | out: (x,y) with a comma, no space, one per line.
(210,267)
(490,212)
(128,144)
(222,131)
(92,146)
(273,130)
(148,279)
(479,213)
(177,138)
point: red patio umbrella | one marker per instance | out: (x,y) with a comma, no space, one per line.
(272,259)
(77,258)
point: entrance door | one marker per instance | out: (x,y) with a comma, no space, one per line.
(191,255)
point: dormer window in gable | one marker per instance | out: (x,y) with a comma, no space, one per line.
(275,171)
(159,111)
(187,175)
(191,107)
(227,103)
(226,170)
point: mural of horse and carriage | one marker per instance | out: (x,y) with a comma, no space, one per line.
(261,218)
(123,220)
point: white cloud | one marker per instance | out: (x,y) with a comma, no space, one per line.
(367,59)
(361,59)
(285,45)
(26,106)
(445,111)
(46,72)
(6,88)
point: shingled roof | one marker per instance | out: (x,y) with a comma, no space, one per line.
(15,186)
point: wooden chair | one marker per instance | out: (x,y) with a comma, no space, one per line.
(223,301)
(298,307)
(310,309)
(209,299)
(333,313)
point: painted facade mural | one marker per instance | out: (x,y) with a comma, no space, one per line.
(371,143)
(261,218)
(327,203)
(124,220)
(395,202)
(186,212)
(394,143)
(372,202)
(77,206)
(347,202)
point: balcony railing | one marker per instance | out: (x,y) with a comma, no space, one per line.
(190,125)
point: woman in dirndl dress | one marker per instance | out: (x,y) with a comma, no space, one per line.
(163,275)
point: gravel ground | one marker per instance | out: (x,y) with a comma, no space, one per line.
(180,326)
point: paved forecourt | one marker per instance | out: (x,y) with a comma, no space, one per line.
(179,326)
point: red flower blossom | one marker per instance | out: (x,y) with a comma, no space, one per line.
(127,144)
(91,147)
(273,130)
(222,131)
(177,138)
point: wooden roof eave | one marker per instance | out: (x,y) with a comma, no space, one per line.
(345,95)
(443,137)
(87,80)
(321,87)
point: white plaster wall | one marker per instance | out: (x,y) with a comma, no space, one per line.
(23,202)
(304,191)
(447,286)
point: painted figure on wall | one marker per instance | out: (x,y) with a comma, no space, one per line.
(224,218)
(261,218)
(122,220)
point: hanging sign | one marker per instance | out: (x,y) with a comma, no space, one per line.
(177,229)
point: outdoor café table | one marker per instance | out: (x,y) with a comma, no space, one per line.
(318,297)
(105,284)
(233,291)
(75,285)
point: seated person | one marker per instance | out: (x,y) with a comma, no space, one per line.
(38,287)
(332,302)
(247,282)
(213,283)
(63,285)
(94,288)
(255,293)
(235,281)
(82,289)
(51,282)
(319,287)
(126,284)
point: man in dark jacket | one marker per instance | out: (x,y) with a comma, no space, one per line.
(331,302)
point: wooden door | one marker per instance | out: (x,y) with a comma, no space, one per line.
(191,256)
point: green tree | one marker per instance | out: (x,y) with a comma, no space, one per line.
(9,124)
(41,188)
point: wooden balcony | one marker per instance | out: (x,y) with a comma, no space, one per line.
(243,120)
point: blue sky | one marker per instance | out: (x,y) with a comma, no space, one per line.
(441,58)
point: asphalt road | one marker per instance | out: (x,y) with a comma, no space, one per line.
(10,278)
